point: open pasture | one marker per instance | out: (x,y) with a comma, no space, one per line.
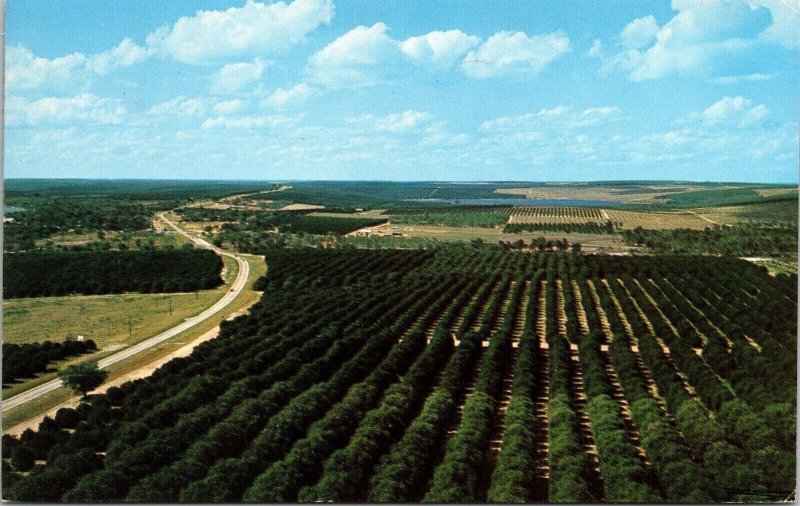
(459,374)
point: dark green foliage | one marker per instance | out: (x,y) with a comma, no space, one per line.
(458,216)
(567,228)
(738,240)
(22,458)
(43,217)
(312,395)
(296,222)
(513,479)
(26,360)
(82,378)
(98,272)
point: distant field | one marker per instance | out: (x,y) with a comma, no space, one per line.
(447,233)
(646,193)
(780,212)
(664,195)
(557,215)
(657,220)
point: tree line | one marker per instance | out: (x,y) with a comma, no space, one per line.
(57,273)
(22,361)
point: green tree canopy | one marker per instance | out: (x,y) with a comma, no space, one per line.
(82,378)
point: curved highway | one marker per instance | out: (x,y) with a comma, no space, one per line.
(235,289)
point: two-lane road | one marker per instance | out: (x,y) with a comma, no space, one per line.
(236,288)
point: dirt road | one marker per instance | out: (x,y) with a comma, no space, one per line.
(236,288)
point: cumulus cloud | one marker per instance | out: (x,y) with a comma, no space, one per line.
(126,54)
(282,98)
(366,55)
(237,76)
(26,71)
(179,106)
(357,58)
(732,111)
(515,53)
(442,49)
(253,29)
(84,108)
(639,32)
(785,27)
(699,34)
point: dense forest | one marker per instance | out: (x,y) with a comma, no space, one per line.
(738,240)
(26,360)
(89,272)
(464,373)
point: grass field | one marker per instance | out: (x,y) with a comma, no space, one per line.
(41,405)
(114,322)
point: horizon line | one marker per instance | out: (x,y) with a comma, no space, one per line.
(435,181)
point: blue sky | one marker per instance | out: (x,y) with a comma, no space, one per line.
(413,90)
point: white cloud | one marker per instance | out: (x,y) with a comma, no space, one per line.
(179,106)
(247,122)
(785,27)
(732,111)
(557,118)
(253,29)
(282,98)
(237,76)
(731,132)
(85,108)
(639,32)
(126,54)
(357,58)
(596,49)
(227,107)
(442,49)
(744,78)
(699,34)
(401,122)
(515,53)
(26,71)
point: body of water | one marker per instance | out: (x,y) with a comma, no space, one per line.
(525,202)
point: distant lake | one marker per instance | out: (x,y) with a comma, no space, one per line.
(12,209)
(524,202)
